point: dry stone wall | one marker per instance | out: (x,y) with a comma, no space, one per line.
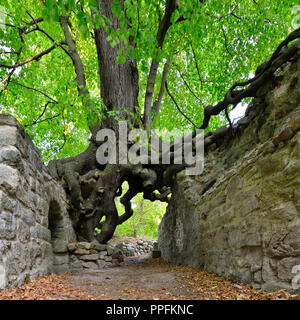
(136,248)
(93,255)
(36,233)
(34,224)
(241,217)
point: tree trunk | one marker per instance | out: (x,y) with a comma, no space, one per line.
(91,191)
(91,187)
(118,82)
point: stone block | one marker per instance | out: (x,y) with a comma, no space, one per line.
(71,247)
(284,211)
(11,156)
(23,231)
(40,232)
(80,251)
(8,135)
(8,203)
(9,178)
(2,277)
(98,246)
(59,246)
(101,264)
(76,264)
(90,265)
(60,259)
(84,245)
(8,226)
(89,257)
(109,250)
(108,259)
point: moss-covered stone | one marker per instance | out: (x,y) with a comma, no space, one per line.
(246,225)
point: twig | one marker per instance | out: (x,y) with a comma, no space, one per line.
(188,86)
(46,119)
(35,58)
(37,90)
(178,108)
(226,44)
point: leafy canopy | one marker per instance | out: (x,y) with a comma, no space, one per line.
(211,44)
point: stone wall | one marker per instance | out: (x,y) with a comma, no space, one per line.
(36,233)
(241,217)
(34,224)
(136,248)
(93,255)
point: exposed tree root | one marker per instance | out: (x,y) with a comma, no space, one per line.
(92,188)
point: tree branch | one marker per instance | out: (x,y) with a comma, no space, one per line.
(226,44)
(37,90)
(78,65)
(162,31)
(197,67)
(18,53)
(188,86)
(40,121)
(79,68)
(178,108)
(35,58)
(263,73)
(38,28)
(157,103)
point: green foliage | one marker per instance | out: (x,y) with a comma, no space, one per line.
(146,218)
(296,20)
(218,43)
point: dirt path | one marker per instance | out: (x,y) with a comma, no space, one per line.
(139,278)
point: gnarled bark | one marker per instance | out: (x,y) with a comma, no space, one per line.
(91,187)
